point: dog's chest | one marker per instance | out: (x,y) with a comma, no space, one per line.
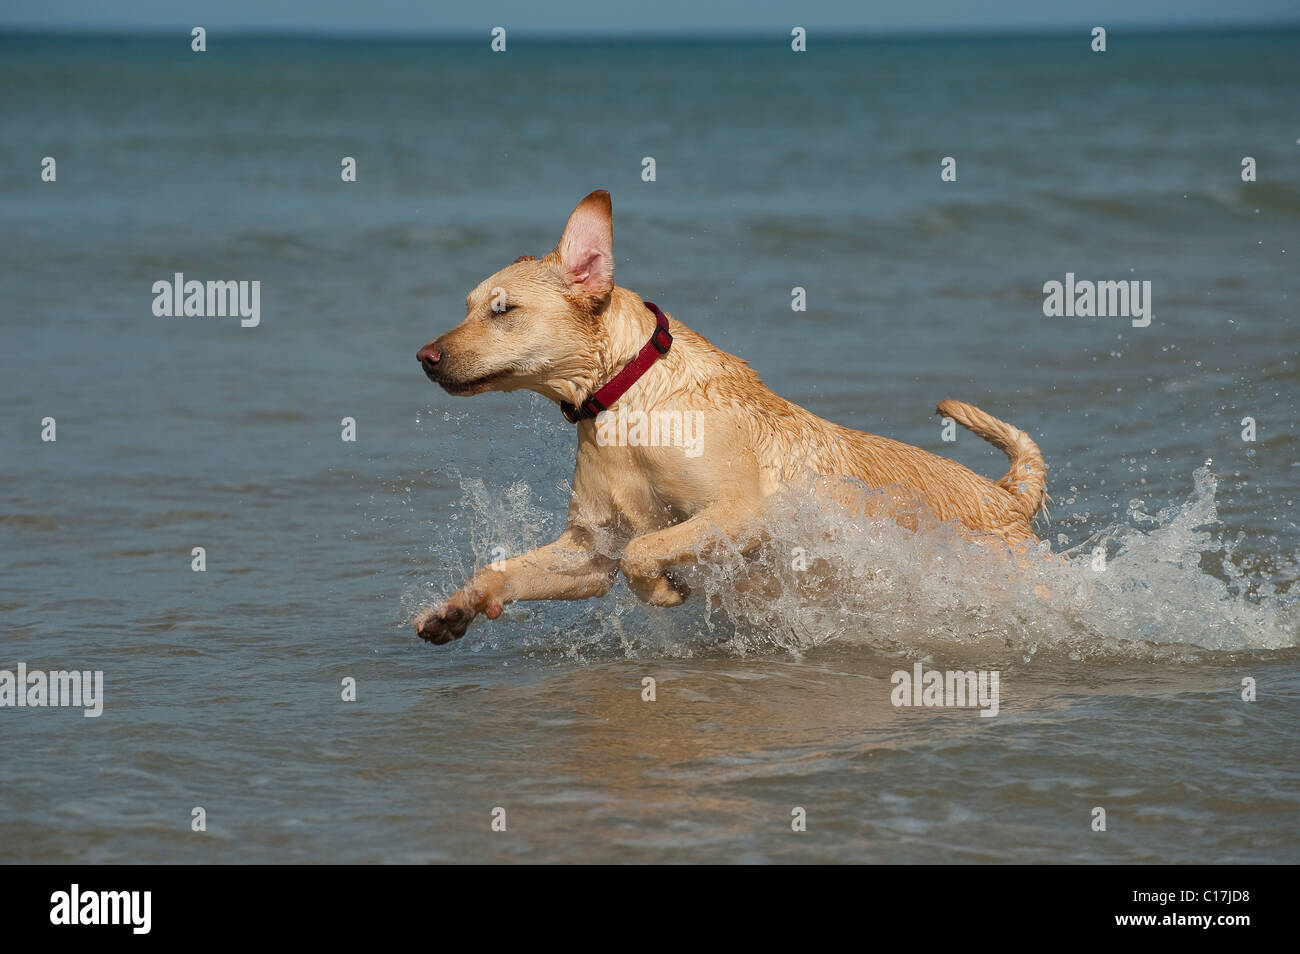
(642,487)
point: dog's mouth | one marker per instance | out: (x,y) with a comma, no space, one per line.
(464,388)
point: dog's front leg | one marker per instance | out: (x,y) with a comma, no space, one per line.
(647,559)
(568,569)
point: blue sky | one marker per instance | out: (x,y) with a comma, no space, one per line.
(573,17)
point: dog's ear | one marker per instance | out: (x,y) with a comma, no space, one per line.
(587,246)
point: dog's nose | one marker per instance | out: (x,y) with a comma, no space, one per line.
(429,356)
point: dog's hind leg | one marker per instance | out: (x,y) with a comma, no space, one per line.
(568,569)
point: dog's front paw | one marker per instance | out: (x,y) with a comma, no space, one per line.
(645,578)
(657,590)
(442,624)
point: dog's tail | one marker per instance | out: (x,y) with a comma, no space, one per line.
(1027,478)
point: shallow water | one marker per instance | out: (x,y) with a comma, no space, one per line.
(1120,688)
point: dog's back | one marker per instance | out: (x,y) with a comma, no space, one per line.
(790,441)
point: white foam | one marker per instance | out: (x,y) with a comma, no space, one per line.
(1170,588)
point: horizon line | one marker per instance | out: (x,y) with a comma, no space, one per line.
(714,35)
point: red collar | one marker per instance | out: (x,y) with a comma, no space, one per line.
(651,351)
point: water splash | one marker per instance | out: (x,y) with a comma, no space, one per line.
(1166,585)
(1150,586)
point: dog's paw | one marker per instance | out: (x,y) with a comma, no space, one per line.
(658,590)
(442,624)
(647,581)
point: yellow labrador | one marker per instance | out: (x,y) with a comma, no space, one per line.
(679,443)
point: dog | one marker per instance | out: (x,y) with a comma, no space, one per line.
(559,326)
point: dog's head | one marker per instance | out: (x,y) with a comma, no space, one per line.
(533,322)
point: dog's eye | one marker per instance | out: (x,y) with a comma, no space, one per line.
(501,310)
